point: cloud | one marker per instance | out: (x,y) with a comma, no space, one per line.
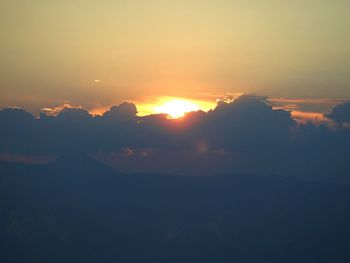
(305,104)
(53,111)
(315,117)
(27,159)
(247,122)
(243,135)
(15,116)
(73,114)
(306,100)
(123,112)
(340,113)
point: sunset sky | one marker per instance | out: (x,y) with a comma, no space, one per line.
(99,53)
(212,131)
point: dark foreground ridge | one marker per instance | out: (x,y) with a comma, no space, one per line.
(78,210)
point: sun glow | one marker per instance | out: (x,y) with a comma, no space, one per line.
(177,108)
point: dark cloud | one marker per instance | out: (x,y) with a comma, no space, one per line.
(247,123)
(15,116)
(123,112)
(74,114)
(340,113)
(17,130)
(245,135)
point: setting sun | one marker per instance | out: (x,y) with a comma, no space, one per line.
(177,108)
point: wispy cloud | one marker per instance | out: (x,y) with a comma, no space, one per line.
(311,105)
(307,100)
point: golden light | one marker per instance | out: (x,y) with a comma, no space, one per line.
(177,108)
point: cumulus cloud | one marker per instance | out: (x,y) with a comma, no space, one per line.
(123,112)
(245,134)
(73,114)
(247,122)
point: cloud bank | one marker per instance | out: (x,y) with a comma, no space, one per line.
(245,135)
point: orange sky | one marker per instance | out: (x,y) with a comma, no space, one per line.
(99,53)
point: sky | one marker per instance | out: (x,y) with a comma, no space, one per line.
(99,53)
